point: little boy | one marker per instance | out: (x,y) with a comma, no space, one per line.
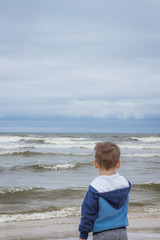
(104,209)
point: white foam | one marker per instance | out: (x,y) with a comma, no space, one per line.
(144,210)
(65,212)
(72,145)
(51,145)
(4,190)
(147,139)
(65,140)
(148,183)
(59,166)
(63,143)
(6,139)
(3,153)
(65,146)
(11,152)
(16,146)
(139,146)
(144,155)
(6,152)
(152,210)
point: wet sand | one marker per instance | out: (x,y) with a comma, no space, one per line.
(141,227)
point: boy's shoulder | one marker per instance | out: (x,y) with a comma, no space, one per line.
(106,183)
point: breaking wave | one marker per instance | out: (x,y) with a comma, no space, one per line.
(12,190)
(54,167)
(129,146)
(142,155)
(150,186)
(43,167)
(61,212)
(33,153)
(21,192)
(147,139)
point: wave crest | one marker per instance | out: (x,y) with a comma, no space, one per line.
(146,139)
(33,153)
(143,155)
(151,186)
(64,212)
(58,166)
(6,190)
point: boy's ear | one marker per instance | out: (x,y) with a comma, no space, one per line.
(119,164)
(95,164)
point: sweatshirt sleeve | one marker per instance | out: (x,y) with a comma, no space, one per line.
(89,211)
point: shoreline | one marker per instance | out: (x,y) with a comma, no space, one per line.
(141,227)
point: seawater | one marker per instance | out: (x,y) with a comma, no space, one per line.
(45,176)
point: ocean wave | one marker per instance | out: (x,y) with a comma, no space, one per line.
(151,210)
(71,145)
(16,146)
(21,192)
(146,139)
(43,142)
(143,209)
(66,140)
(54,167)
(142,155)
(91,146)
(64,212)
(66,145)
(43,167)
(38,193)
(33,153)
(7,139)
(40,139)
(12,190)
(49,146)
(150,186)
(129,146)
(20,153)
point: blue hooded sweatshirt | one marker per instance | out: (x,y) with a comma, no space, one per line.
(105,205)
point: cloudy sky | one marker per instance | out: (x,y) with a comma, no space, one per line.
(80,66)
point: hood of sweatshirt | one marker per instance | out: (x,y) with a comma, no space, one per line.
(116,197)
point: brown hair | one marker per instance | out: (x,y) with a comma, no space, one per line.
(107,155)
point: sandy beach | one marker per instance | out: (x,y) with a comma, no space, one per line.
(141,227)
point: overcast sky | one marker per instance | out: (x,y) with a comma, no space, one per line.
(80,65)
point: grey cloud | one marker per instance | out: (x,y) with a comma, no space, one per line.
(80,58)
(101,109)
(99,29)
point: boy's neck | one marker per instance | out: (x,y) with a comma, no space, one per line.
(107,172)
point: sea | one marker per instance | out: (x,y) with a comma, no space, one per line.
(46,175)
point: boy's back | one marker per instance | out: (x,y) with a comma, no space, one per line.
(105,207)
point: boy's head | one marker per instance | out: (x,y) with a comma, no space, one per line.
(107,155)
